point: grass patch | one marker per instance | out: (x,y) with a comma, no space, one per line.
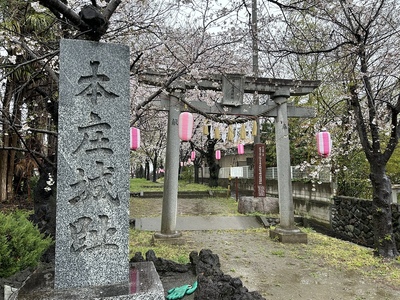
(351,257)
(279,253)
(141,241)
(141,184)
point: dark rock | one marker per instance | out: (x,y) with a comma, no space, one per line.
(138,257)
(206,289)
(214,284)
(223,287)
(208,263)
(194,257)
(236,282)
(163,265)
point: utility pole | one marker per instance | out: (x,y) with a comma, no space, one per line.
(254,35)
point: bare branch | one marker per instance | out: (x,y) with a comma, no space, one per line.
(58,6)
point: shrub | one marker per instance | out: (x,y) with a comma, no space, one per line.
(187,174)
(21,243)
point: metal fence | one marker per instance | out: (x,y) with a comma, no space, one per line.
(319,173)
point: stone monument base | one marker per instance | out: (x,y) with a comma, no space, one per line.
(145,284)
(293,235)
(171,239)
(264,205)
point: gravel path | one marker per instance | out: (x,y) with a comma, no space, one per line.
(284,271)
(277,271)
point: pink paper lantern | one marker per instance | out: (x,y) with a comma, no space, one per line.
(185,126)
(324,143)
(193,155)
(135,138)
(240,149)
(218,154)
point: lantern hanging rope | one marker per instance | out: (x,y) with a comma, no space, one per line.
(221,120)
(243,132)
(217,133)
(205,129)
(230,133)
(206,115)
(254,129)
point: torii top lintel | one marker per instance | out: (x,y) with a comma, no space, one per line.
(268,86)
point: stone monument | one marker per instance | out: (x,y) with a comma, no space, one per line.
(93,165)
(92,221)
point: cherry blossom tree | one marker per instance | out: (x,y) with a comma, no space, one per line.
(357,40)
(158,33)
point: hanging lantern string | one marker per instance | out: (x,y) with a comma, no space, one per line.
(226,121)
(193,109)
(254,129)
(242,132)
(230,133)
(164,86)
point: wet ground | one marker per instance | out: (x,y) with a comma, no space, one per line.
(277,271)
(284,271)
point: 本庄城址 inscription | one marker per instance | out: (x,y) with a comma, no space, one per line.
(93,165)
(88,234)
(93,88)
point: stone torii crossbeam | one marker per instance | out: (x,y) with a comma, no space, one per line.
(233,87)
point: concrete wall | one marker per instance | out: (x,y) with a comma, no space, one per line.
(343,217)
(310,200)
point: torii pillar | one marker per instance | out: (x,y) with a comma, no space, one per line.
(286,231)
(171,176)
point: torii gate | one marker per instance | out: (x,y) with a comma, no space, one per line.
(233,87)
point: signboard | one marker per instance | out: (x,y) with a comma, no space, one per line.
(260,184)
(233,89)
(236,172)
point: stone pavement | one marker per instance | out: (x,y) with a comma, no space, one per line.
(202,223)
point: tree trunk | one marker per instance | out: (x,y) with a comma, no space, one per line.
(4,154)
(196,172)
(44,204)
(11,167)
(212,164)
(384,241)
(155,167)
(3,166)
(12,153)
(147,170)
